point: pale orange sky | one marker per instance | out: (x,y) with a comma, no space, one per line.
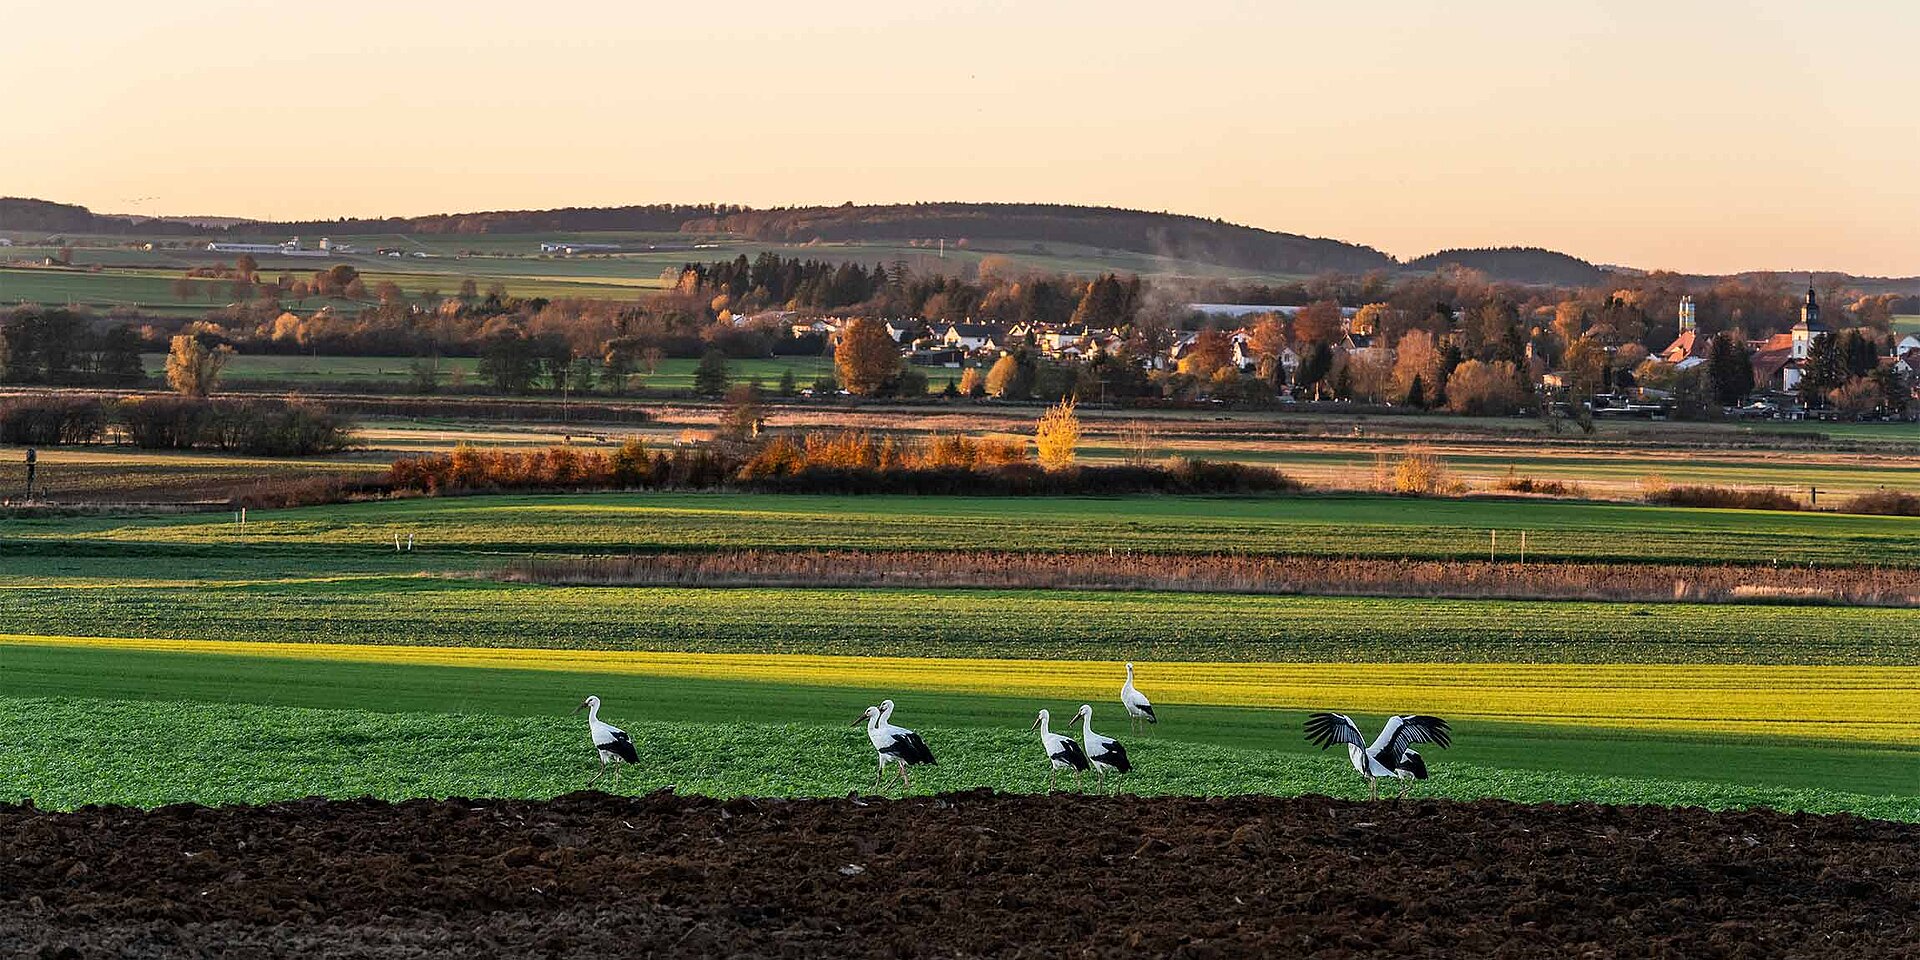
(1695,136)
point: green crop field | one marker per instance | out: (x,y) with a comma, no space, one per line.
(464,533)
(267,724)
(296,370)
(225,729)
(963,623)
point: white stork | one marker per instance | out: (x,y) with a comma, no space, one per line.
(1063,752)
(610,741)
(1390,754)
(1138,706)
(895,745)
(1103,752)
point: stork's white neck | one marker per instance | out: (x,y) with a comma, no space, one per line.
(593,712)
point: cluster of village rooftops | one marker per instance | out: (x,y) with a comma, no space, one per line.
(1779,361)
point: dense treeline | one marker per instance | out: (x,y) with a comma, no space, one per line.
(25,214)
(65,347)
(262,427)
(1521,264)
(663,217)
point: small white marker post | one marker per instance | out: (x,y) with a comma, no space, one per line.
(1523,546)
(1493,543)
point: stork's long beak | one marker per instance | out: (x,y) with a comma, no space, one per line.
(582,706)
(858,720)
(1036,724)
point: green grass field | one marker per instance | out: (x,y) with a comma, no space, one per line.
(295,371)
(226,729)
(967,623)
(219,728)
(457,533)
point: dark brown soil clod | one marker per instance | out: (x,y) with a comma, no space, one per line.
(973,874)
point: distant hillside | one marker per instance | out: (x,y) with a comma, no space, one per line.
(1516,264)
(1160,234)
(26,215)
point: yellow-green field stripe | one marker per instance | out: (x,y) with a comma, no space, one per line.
(1817,702)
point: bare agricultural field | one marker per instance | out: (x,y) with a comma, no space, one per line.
(1229,573)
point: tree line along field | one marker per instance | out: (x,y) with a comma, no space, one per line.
(378,630)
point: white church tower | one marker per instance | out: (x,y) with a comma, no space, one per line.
(1809,326)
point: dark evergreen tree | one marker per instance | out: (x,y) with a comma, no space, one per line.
(1729,370)
(711,377)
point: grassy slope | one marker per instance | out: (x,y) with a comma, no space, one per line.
(263,750)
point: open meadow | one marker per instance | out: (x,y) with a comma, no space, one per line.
(195,636)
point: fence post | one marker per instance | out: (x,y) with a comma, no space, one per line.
(1493,542)
(1523,546)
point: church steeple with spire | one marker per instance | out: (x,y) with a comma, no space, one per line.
(1809,326)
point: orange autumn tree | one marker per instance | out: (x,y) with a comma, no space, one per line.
(866,358)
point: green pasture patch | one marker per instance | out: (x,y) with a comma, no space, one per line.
(142,753)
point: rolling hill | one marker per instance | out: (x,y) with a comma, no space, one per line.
(1517,264)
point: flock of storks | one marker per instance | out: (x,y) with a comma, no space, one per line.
(1390,755)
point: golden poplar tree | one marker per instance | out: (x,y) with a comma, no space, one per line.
(1057,435)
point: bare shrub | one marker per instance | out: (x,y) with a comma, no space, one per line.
(1730,498)
(1139,443)
(1888,503)
(1514,483)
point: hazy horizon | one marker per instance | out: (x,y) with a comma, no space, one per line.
(1706,138)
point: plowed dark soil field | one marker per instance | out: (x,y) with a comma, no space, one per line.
(975,874)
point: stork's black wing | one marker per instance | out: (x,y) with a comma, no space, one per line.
(1327,729)
(1072,754)
(1403,732)
(620,746)
(1114,755)
(1147,708)
(909,747)
(1411,763)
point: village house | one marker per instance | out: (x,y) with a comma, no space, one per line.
(973,337)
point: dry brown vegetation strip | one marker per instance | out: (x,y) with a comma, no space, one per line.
(1233,573)
(961,875)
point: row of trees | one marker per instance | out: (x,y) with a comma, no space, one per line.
(58,346)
